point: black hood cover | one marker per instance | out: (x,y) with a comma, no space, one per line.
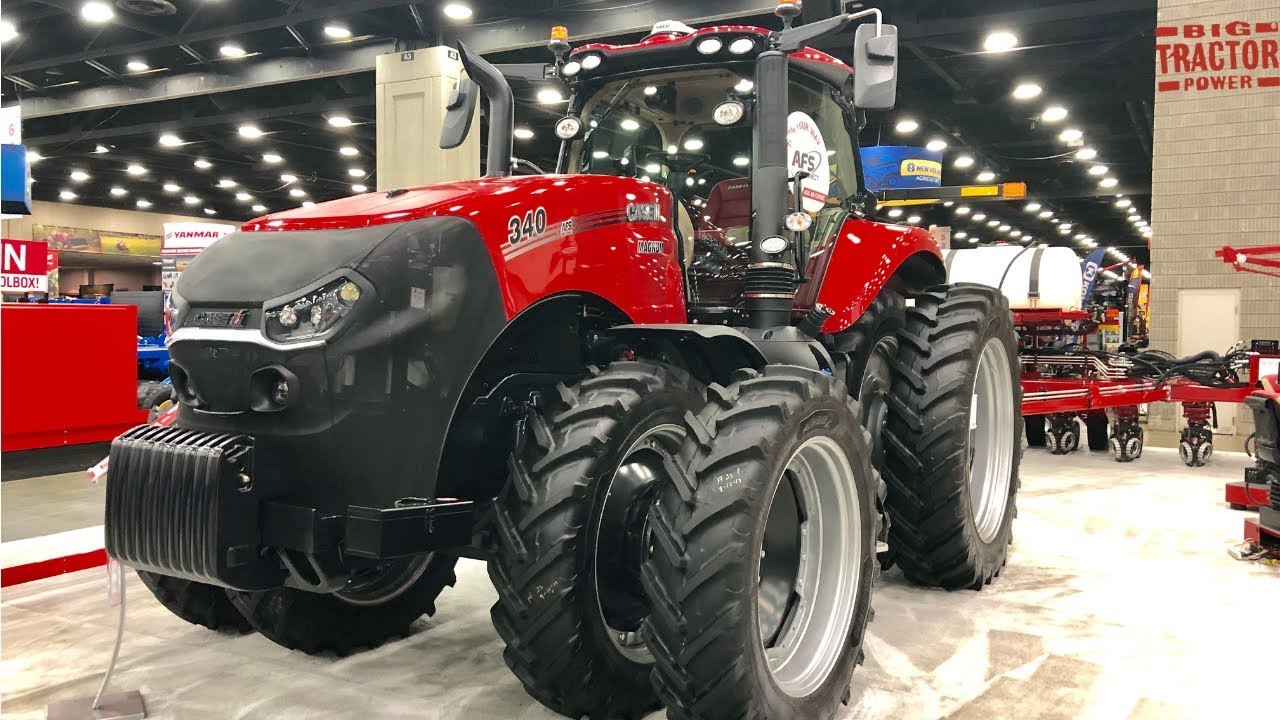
(248,268)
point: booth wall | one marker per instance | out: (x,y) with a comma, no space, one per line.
(1215,182)
(95,218)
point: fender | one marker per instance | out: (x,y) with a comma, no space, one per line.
(712,352)
(866,256)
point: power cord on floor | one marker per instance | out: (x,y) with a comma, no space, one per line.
(1248,552)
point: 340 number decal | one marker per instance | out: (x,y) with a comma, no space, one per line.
(523,227)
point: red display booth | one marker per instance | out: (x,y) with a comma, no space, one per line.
(68,374)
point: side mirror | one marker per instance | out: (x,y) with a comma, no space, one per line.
(459,112)
(875,67)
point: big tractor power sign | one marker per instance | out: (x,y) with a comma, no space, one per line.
(1235,55)
(26,266)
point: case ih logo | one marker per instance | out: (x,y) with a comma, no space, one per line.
(1220,56)
(235,318)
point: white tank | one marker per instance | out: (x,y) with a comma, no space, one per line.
(1058,284)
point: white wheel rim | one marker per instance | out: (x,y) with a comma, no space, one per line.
(991,440)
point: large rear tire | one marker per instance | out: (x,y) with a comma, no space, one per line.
(197,603)
(954,438)
(572,530)
(764,552)
(363,615)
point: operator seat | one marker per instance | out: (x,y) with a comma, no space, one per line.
(729,209)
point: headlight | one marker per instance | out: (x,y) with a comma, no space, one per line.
(175,312)
(313,314)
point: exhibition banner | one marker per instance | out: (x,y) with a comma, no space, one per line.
(60,237)
(182,242)
(25,266)
(886,167)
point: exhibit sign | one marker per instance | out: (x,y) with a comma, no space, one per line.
(25,266)
(807,153)
(182,242)
(1230,54)
(108,242)
(888,167)
(15,180)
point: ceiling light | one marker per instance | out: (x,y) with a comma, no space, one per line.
(986,176)
(1026,91)
(297,192)
(1086,154)
(1033,206)
(79,175)
(1016,233)
(1108,182)
(340,121)
(359,188)
(348,150)
(964,161)
(1098,170)
(67,195)
(231,50)
(1003,228)
(457,11)
(993,223)
(203,164)
(170,140)
(143,203)
(259,208)
(210,211)
(961,235)
(1046,214)
(744,85)
(913,219)
(136,170)
(742,161)
(287,178)
(1065,228)
(171,187)
(226,183)
(191,200)
(243,196)
(337,32)
(355,172)
(33,156)
(136,66)
(271,158)
(907,126)
(308,204)
(100,149)
(7,31)
(693,144)
(650,90)
(549,96)
(1071,135)
(1000,41)
(962,210)
(630,125)
(119,191)
(96,12)
(1124,203)
(653,168)
(980,217)
(523,133)
(1081,236)
(937,145)
(895,212)
(1053,113)
(250,131)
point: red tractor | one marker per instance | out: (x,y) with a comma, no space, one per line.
(677,394)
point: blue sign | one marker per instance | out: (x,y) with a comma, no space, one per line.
(15,190)
(887,167)
(1089,268)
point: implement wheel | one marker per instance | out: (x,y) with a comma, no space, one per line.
(763,552)
(954,438)
(573,530)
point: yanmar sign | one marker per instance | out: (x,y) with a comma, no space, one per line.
(1235,55)
(191,238)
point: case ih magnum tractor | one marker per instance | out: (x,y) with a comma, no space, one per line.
(676,395)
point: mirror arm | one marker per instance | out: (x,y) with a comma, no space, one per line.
(794,39)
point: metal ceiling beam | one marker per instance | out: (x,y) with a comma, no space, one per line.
(311,13)
(307,108)
(258,74)
(1087,9)
(72,7)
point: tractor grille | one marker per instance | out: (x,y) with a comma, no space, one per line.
(177,504)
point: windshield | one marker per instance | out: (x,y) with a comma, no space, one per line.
(661,125)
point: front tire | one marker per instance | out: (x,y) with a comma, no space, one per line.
(363,615)
(764,552)
(572,532)
(954,438)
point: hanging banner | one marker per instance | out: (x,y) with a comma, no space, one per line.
(108,242)
(26,266)
(1089,274)
(182,242)
(888,167)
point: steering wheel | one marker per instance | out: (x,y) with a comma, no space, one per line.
(680,163)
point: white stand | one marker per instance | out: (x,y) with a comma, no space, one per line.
(114,706)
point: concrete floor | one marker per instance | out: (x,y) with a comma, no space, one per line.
(1119,602)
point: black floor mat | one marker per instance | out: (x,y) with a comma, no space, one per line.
(51,461)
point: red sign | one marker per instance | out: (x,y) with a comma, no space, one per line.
(1233,55)
(25,266)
